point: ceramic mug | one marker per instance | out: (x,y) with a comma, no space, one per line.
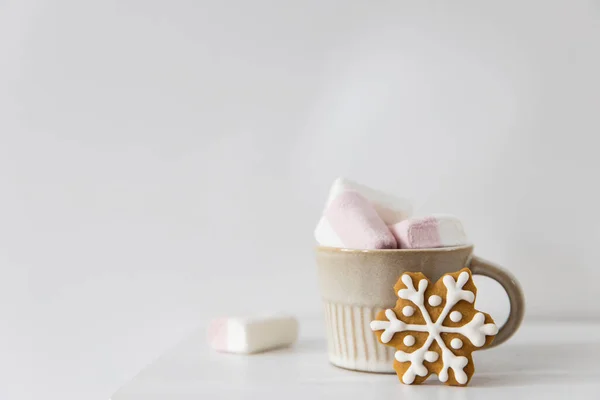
(357,284)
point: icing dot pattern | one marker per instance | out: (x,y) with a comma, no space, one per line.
(455,316)
(434,300)
(408,311)
(409,340)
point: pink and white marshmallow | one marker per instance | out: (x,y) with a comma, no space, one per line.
(247,335)
(351,221)
(429,232)
(391,209)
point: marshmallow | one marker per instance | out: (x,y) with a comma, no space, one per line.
(390,208)
(434,231)
(252,334)
(350,221)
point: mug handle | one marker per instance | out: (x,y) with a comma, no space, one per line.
(513,289)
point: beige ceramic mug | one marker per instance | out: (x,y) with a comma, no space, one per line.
(357,284)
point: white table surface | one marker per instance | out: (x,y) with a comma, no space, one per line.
(543,360)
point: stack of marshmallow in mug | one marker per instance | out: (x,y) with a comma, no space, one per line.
(358,217)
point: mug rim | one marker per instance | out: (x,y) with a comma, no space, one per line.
(380,251)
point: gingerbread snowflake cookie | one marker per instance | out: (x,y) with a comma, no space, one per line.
(435,328)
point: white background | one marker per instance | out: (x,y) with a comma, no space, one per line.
(163,162)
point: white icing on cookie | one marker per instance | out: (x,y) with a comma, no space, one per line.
(434,300)
(408,340)
(394,325)
(456,343)
(431,356)
(416,359)
(408,311)
(455,316)
(475,330)
(416,296)
(457,364)
(454,292)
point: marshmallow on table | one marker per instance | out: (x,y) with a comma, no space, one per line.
(391,209)
(427,232)
(252,334)
(350,221)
